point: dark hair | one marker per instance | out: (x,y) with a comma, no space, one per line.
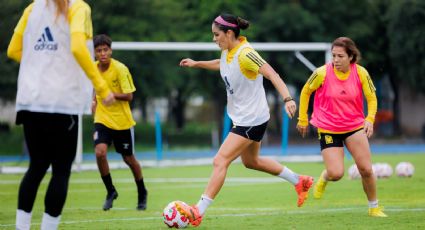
(102,39)
(242,24)
(349,46)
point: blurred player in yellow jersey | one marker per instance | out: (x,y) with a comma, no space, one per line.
(52,42)
(114,124)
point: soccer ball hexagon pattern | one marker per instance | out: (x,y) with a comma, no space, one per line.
(173,218)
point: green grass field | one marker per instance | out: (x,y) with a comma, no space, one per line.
(248,200)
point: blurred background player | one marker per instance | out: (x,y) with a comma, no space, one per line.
(242,70)
(339,118)
(114,124)
(50,41)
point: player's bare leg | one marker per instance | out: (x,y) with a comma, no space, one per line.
(358,145)
(251,159)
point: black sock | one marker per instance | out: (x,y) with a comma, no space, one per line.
(107,180)
(141,189)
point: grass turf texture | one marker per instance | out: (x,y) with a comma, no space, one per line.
(248,200)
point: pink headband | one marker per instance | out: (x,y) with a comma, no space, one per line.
(221,21)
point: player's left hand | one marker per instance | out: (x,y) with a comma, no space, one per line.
(368,128)
(109,100)
(290,108)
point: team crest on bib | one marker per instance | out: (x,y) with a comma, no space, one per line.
(328,139)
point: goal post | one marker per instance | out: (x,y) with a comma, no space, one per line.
(296,47)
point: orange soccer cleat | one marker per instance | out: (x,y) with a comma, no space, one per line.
(302,188)
(190,212)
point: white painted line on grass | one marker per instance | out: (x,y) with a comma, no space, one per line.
(260,212)
(165,180)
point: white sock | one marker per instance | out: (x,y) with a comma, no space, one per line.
(373,203)
(290,176)
(49,222)
(203,204)
(23,220)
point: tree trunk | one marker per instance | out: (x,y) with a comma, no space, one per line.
(396,109)
(178,105)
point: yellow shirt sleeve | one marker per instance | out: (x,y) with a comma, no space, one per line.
(250,62)
(369,92)
(22,24)
(14,51)
(82,30)
(126,80)
(313,83)
(79,17)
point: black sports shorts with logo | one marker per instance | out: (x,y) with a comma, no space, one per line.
(328,140)
(254,133)
(123,139)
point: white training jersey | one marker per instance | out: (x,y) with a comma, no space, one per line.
(246,99)
(50,79)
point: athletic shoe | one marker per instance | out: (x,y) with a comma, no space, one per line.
(377,212)
(190,212)
(110,197)
(319,187)
(142,199)
(302,188)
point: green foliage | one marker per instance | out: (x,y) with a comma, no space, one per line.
(12,141)
(406,36)
(388,32)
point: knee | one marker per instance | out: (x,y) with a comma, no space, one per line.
(366,172)
(220,162)
(335,175)
(130,161)
(100,153)
(251,164)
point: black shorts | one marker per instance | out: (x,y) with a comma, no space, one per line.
(123,139)
(254,133)
(328,140)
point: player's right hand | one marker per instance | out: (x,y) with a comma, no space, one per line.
(109,100)
(187,62)
(303,130)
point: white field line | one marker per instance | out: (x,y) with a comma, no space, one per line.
(171,183)
(164,163)
(252,212)
(165,180)
(169,186)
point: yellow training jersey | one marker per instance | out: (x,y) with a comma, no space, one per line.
(78,16)
(117,116)
(317,79)
(249,60)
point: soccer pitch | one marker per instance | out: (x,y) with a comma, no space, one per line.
(248,200)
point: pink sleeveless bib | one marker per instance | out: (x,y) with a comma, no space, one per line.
(338,104)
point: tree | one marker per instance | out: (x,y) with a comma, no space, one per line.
(406,36)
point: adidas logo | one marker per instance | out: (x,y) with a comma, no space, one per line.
(343,92)
(46,41)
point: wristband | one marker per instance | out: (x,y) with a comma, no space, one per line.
(288,99)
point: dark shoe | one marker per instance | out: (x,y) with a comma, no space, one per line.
(110,197)
(141,204)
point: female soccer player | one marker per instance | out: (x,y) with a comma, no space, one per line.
(50,43)
(339,118)
(242,70)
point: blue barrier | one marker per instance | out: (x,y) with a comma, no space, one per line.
(158,136)
(285,131)
(226,125)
